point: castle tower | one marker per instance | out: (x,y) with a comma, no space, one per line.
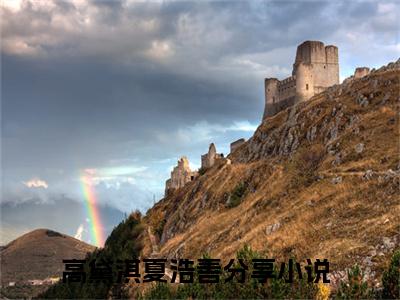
(271,96)
(304,82)
(316,67)
(323,63)
(209,159)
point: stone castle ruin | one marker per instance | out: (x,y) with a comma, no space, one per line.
(358,73)
(180,175)
(210,158)
(236,144)
(316,68)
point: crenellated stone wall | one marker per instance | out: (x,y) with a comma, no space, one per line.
(316,68)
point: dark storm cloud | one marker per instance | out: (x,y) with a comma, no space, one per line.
(107,85)
(85,108)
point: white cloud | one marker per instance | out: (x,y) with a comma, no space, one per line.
(112,177)
(79,231)
(124,196)
(36,183)
(160,50)
(243,126)
(386,7)
(204,131)
(13,5)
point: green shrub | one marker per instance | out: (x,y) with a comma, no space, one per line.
(160,228)
(159,291)
(356,287)
(202,171)
(251,289)
(390,278)
(235,198)
(123,243)
(247,254)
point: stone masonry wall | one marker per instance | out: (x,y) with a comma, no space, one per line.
(316,68)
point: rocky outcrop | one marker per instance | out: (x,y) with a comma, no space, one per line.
(281,135)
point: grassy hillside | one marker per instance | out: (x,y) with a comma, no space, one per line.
(318,180)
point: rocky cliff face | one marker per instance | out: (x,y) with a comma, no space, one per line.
(318,180)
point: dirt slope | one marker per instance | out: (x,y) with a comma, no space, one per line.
(320,180)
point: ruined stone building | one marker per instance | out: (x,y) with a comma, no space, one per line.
(180,175)
(358,73)
(209,159)
(315,68)
(236,144)
(361,72)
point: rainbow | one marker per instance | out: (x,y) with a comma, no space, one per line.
(92,211)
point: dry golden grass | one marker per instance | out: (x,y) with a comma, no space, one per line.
(318,219)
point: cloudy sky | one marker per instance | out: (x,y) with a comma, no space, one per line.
(120,90)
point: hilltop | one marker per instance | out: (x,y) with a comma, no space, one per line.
(38,255)
(317,180)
